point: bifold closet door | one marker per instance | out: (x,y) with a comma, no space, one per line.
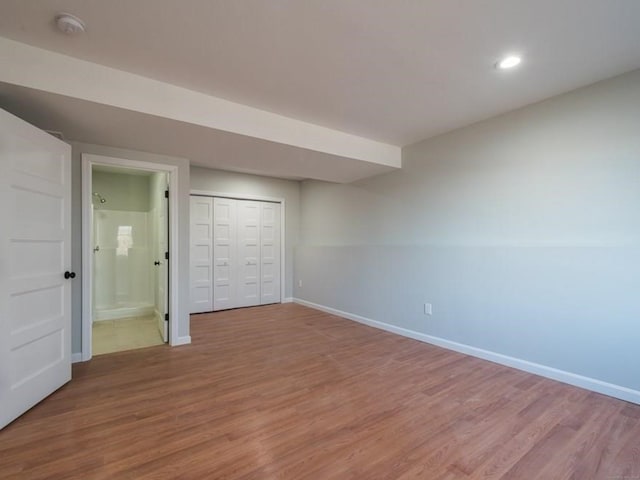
(201,268)
(225,258)
(235,253)
(269,253)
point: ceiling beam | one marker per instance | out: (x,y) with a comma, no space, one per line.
(52,72)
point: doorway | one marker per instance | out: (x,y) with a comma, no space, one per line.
(126,255)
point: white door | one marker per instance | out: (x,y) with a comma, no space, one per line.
(248,253)
(224,253)
(35,240)
(270,253)
(201,251)
(163,268)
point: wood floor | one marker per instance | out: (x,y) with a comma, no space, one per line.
(286,392)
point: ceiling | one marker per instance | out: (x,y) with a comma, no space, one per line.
(395,72)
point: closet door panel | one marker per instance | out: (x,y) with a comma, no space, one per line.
(248,293)
(201,252)
(270,253)
(225,261)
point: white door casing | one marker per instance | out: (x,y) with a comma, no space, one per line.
(201,254)
(35,252)
(248,266)
(174,305)
(224,253)
(269,253)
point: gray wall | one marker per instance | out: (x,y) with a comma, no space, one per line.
(183,208)
(220,181)
(523,231)
(122,191)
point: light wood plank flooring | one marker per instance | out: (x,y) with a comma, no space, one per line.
(286,392)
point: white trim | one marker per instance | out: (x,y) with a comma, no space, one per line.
(287,300)
(581,381)
(186,340)
(88,160)
(76,357)
(260,198)
(237,196)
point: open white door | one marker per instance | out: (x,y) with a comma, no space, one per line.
(163,268)
(35,239)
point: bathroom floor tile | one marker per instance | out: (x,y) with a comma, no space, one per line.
(125,334)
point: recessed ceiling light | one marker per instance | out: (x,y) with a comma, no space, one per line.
(508,62)
(69,24)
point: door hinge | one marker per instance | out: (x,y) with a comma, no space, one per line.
(166,255)
(166,194)
(166,317)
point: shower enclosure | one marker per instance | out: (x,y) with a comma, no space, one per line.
(122,256)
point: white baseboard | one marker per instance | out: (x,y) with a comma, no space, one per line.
(186,340)
(287,300)
(581,381)
(76,357)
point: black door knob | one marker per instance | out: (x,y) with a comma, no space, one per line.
(156,263)
(69,275)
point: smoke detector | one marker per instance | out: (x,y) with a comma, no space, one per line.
(69,24)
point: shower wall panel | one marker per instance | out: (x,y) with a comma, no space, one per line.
(123,277)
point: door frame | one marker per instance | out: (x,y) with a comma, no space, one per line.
(88,161)
(261,198)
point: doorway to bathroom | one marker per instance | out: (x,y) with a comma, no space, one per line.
(126,286)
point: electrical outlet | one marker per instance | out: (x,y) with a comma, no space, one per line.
(299,283)
(427,309)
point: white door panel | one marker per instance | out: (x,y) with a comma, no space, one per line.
(224,253)
(248,253)
(201,254)
(35,298)
(270,253)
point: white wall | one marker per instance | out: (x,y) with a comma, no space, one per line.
(242,184)
(183,229)
(523,231)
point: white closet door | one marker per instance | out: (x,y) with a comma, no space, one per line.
(270,253)
(35,251)
(248,253)
(225,262)
(201,254)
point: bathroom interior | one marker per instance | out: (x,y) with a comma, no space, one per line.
(130,274)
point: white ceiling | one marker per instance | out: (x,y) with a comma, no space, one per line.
(394,71)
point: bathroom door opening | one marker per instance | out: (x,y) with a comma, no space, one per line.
(129,259)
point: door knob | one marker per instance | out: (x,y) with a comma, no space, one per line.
(69,275)
(156,263)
